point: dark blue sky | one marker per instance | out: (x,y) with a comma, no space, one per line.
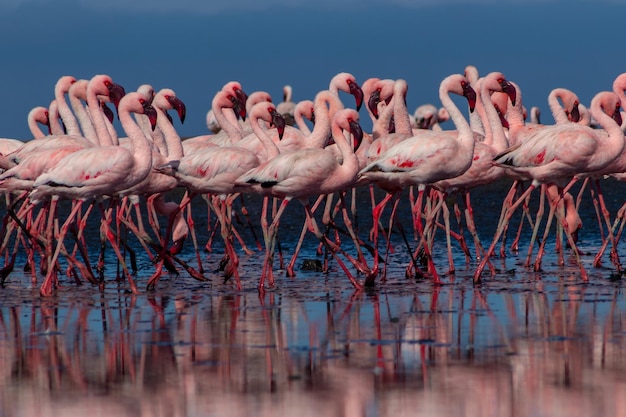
(539,45)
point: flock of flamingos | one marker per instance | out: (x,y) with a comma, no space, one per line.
(269,150)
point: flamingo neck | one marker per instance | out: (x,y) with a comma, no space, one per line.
(465,135)
(69,120)
(84,120)
(229,124)
(270,147)
(98,118)
(173,144)
(614,143)
(139,146)
(322,129)
(494,132)
(555,107)
(401,117)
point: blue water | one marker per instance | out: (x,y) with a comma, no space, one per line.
(522,343)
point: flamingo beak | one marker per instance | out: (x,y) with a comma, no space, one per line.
(509,89)
(149,111)
(470,95)
(279,122)
(372,102)
(356,91)
(179,106)
(357,134)
(574,114)
(424,122)
(239,107)
(116,92)
(242,97)
(505,123)
(617,115)
(107,112)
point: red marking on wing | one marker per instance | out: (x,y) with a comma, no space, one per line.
(406,164)
(540,157)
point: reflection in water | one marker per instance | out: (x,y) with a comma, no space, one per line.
(538,348)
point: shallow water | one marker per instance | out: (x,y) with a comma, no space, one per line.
(522,343)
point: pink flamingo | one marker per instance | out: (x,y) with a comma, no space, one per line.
(424,159)
(215,169)
(92,173)
(482,171)
(287,107)
(555,154)
(301,174)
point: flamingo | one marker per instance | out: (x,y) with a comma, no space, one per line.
(91,173)
(301,174)
(214,170)
(555,154)
(482,171)
(424,159)
(287,107)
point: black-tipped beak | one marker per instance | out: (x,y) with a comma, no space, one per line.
(505,123)
(470,95)
(107,112)
(116,92)
(239,107)
(242,97)
(278,122)
(617,114)
(372,102)
(356,91)
(509,89)
(357,134)
(574,114)
(149,111)
(179,106)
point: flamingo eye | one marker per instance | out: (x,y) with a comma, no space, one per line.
(142,101)
(576,103)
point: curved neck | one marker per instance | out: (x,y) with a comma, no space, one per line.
(515,113)
(270,147)
(614,144)
(53,118)
(229,125)
(555,107)
(494,132)
(139,145)
(173,144)
(321,129)
(86,124)
(299,118)
(98,119)
(34,128)
(401,117)
(69,120)
(381,125)
(465,135)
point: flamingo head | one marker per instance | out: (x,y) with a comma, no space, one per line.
(116,92)
(469,93)
(277,121)
(357,92)
(508,88)
(372,102)
(357,133)
(238,106)
(149,111)
(178,105)
(573,114)
(617,114)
